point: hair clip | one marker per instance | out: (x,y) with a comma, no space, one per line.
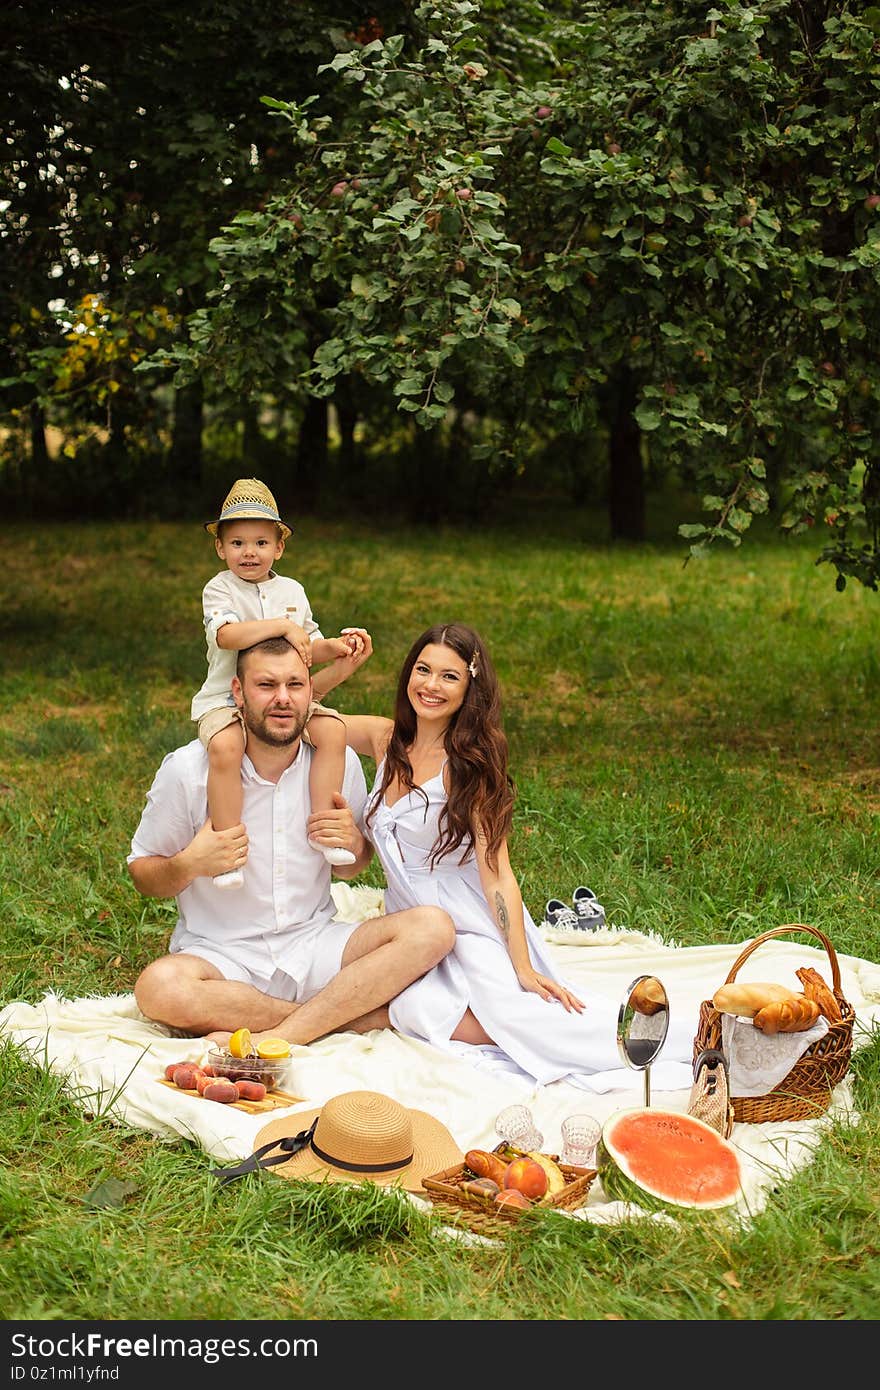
(472,666)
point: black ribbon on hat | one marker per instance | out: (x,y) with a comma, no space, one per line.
(289,1146)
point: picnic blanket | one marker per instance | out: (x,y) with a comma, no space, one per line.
(112,1058)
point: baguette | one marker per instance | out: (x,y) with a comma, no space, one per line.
(746,1000)
(816,989)
(794,1015)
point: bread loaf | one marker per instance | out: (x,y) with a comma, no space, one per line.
(486,1165)
(648,997)
(816,989)
(793,1015)
(746,1000)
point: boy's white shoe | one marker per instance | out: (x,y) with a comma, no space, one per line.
(334,855)
(234,879)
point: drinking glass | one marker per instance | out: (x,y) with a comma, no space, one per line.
(516,1126)
(580,1135)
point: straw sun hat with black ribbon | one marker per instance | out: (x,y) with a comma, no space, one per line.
(249,500)
(355,1137)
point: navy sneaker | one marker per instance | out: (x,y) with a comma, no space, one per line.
(560,916)
(589,911)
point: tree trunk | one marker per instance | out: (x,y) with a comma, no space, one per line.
(428,498)
(36,481)
(186,443)
(626,487)
(251,440)
(311,449)
(346,412)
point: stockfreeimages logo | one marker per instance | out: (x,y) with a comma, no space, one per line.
(96,1346)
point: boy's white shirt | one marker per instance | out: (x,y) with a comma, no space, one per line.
(228,599)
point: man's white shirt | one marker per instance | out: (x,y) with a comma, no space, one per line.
(286,882)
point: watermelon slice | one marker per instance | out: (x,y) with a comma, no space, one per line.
(663,1159)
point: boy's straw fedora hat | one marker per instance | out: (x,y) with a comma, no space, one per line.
(355,1137)
(249,500)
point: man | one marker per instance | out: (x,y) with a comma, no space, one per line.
(269,956)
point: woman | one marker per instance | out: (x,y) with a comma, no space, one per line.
(439,816)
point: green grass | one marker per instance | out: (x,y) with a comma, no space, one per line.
(697,743)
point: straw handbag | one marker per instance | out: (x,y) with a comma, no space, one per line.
(806,1091)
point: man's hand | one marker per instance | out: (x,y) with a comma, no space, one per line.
(333,647)
(359,646)
(211,852)
(338,829)
(358,639)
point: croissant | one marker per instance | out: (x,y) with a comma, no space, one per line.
(746,1000)
(793,1015)
(816,989)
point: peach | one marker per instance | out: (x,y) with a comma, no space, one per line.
(510,1197)
(221,1090)
(250,1090)
(202,1081)
(171,1069)
(186,1075)
(526,1176)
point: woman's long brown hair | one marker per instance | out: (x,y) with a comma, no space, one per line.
(480,790)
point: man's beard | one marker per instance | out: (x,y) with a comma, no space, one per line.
(256,724)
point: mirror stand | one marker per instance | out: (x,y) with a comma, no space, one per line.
(642,1025)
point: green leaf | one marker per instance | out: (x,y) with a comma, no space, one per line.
(360,286)
(556,146)
(738,519)
(402,209)
(648,419)
(340,61)
(110,1192)
(409,386)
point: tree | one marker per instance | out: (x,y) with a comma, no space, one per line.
(133,134)
(660,217)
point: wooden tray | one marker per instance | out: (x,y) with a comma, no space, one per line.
(273,1100)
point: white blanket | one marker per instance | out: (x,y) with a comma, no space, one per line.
(112,1057)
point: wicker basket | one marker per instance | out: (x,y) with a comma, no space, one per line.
(806,1091)
(445,1191)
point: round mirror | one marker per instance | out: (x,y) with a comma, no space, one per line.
(642,1025)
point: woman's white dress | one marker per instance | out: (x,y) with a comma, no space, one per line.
(541,1039)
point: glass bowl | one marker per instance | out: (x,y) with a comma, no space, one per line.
(273,1072)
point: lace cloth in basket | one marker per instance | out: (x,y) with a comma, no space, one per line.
(757,1062)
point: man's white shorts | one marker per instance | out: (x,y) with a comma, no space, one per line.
(312,958)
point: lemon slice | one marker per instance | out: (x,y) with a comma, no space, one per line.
(273,1049)
(241,1044)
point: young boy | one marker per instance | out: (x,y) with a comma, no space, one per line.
(243,604)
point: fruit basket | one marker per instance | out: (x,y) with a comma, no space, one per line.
(446,1191)
(806,1091)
